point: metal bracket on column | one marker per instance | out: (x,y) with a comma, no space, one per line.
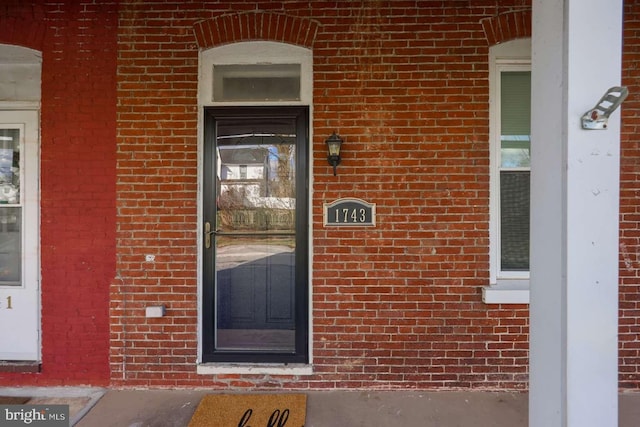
(598,117)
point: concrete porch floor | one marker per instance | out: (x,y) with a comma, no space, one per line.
(174,408)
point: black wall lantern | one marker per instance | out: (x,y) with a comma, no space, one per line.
(333,145)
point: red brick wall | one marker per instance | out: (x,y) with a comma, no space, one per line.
(398,305)
(395,306)
(77,161)
(157,184)
(629,344)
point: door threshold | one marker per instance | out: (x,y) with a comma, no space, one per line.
(20,366)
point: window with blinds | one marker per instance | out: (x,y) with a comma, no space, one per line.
(515,163)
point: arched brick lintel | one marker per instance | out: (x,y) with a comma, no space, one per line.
(21,32)
(507,26)
(247,26)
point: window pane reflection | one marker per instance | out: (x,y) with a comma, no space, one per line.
(9,166)
(255,235)
(256,176)
(10,212)
(10,246)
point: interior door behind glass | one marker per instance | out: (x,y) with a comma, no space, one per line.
(255,234)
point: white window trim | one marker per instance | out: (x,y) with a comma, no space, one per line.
(504,287)
(254,52)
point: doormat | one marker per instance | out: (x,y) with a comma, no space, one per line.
(255,410)
(13,400)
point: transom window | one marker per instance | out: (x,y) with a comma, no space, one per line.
(256,82)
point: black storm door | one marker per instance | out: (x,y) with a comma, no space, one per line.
(255,278)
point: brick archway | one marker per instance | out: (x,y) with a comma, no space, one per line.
(249,26)
(21,32)
(507,26)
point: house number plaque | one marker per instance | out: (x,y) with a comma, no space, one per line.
(350,212)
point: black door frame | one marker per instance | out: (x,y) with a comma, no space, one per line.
(301,116)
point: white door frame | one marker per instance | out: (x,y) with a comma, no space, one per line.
(20,303)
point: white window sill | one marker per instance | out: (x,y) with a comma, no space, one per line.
(507,292)
(259,369)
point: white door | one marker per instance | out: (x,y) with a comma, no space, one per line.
(19,225)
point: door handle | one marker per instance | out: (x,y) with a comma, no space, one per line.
(207,235)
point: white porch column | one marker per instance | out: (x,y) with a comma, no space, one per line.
(576,57)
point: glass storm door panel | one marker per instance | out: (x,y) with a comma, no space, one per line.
(19,263)
(256,243)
